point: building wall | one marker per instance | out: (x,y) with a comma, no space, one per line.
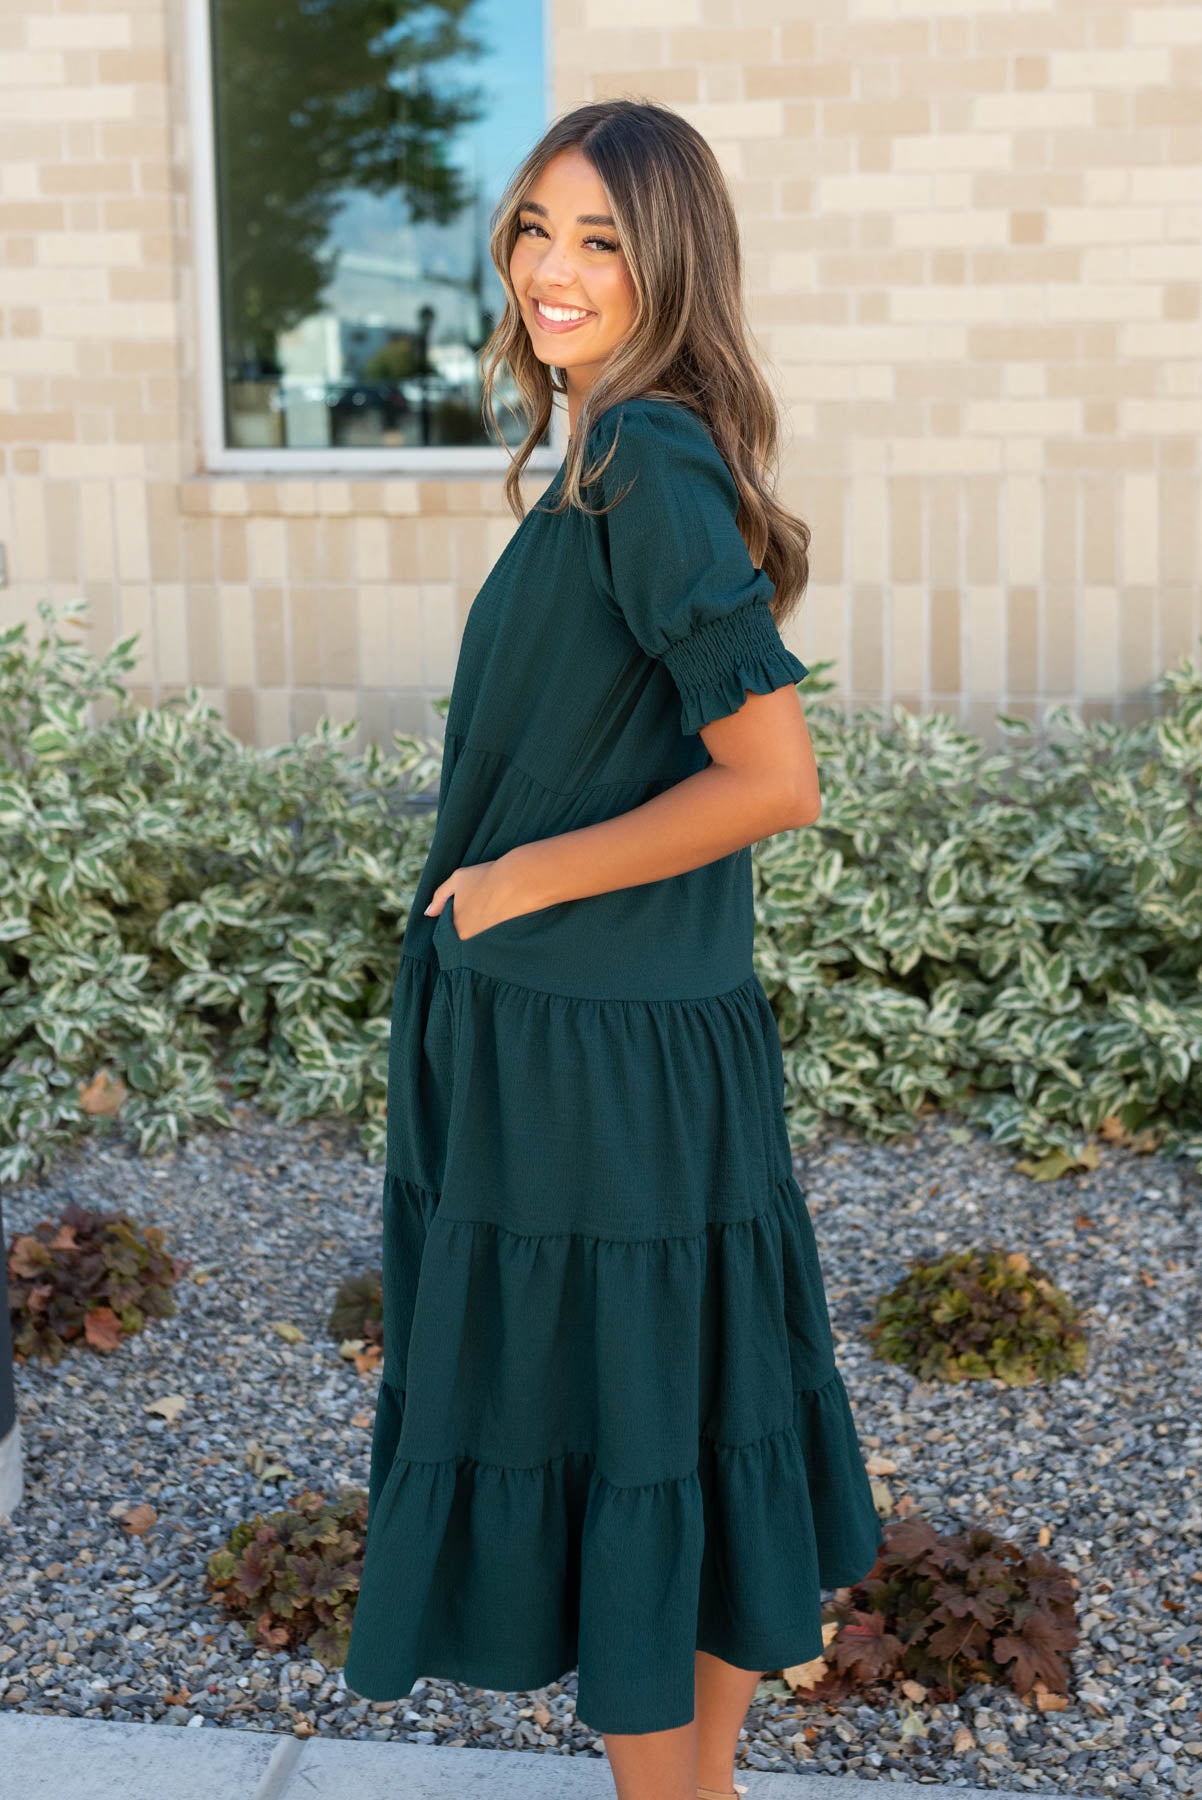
(973,237)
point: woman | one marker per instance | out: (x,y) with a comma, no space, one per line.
(610,1433)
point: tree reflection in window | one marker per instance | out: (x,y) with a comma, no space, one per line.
(356,289)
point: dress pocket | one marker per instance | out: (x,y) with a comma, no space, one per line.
(446,932)
(448,913)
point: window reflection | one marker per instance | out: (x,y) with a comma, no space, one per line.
(361,148)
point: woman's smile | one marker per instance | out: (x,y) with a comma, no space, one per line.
(559,318)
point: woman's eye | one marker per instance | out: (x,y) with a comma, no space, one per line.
(533,225)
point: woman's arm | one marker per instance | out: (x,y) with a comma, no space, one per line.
(762,779)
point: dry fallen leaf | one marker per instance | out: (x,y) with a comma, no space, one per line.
(103,1096)
(168,1406)
(963,1740)
(913,1690)
(803,1676)
(138,1520)
(1145,1140)
(291,1334)
(1046,1168)
(876,1464)
(1060,1162)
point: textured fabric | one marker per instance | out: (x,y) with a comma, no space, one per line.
(610,1429)
(678,568)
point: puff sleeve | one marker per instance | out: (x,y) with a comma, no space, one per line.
(678,569)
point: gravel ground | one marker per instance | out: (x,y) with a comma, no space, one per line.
(97,1623)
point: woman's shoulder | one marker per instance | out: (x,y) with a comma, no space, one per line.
(650,414)
(666,436)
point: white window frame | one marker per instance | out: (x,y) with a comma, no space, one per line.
(469,460)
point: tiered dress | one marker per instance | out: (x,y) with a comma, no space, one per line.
(610,1428)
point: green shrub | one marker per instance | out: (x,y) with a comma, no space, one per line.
(204,918)
(1013,933)
(91,1276)
(949,1610)
(293,1575)
(1010,933)
(975,1314)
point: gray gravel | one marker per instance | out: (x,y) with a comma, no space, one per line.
(100,1624)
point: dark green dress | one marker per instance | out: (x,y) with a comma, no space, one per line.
(610,1428)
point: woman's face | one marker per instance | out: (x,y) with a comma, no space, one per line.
(567,254)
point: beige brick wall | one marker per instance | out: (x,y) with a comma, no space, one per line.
(974,254)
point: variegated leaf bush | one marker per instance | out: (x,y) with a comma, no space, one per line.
(1013,932)
(184,918)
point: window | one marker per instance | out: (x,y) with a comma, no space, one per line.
(349,157)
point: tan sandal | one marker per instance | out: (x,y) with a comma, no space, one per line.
(721,1794)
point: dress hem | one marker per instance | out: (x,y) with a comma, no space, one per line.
(467,1672)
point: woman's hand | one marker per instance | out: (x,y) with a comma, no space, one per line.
(485,894)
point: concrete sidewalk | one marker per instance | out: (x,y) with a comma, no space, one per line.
(45,1757)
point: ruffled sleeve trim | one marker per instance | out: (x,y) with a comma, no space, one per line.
(719,663)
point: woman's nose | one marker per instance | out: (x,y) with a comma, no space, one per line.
(557,270)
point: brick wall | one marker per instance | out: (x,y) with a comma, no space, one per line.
(974,252)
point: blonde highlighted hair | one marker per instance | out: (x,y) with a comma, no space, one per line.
(689,338)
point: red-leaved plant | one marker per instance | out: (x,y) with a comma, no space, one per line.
(293,1576)
(949,1610)
(88,1276)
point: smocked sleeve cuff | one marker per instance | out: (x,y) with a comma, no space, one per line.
(716,666)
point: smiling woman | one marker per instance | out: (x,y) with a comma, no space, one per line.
(611,1431)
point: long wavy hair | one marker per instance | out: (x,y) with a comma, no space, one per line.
(689,338)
